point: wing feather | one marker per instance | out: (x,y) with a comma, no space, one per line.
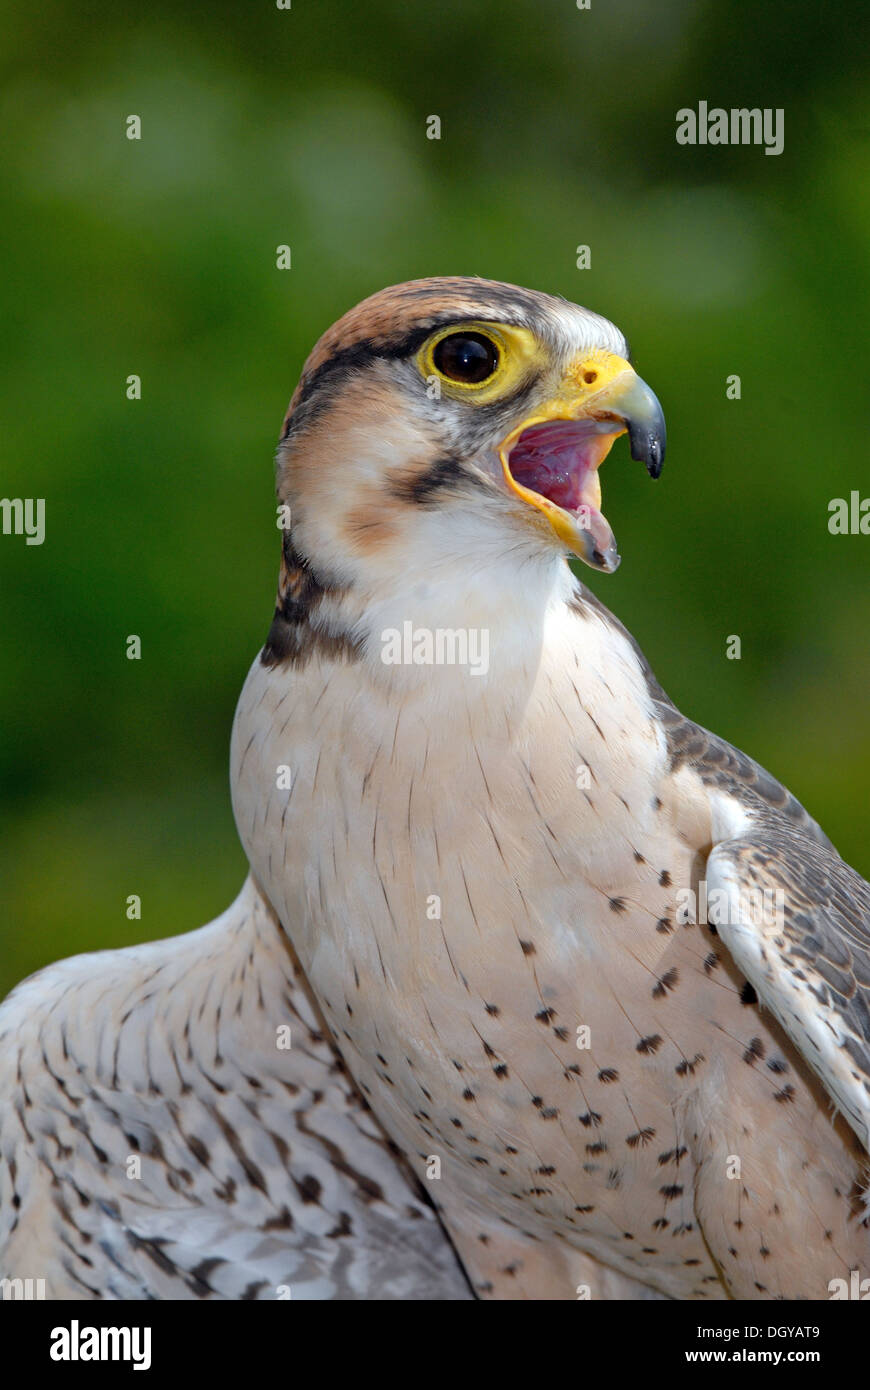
(796,919)
(156,1143)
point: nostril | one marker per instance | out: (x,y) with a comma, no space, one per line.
(590,376)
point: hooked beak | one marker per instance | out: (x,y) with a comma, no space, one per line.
(551,459)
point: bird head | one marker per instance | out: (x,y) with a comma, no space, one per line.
(453,414)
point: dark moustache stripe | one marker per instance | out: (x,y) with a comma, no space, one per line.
(444,474)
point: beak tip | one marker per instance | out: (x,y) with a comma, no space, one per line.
(645,421)
(648,447)
(656,460)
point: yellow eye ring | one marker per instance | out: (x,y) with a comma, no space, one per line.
(476,360)
(464,356)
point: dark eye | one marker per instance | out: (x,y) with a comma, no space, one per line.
(466,357)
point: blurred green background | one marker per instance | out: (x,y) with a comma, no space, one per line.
(308,127)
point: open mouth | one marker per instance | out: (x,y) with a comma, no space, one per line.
(551,459)
(554,466)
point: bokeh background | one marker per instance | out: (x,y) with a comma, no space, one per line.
(308,127)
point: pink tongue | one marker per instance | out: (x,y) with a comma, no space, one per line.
(550,459)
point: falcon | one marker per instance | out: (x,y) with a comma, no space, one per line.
(556,963)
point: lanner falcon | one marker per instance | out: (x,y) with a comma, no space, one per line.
(518,937)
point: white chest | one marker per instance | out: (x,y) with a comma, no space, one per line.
(461,840)
(480,886)
(411,832)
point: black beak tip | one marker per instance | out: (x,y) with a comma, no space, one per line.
(655,460)
(648,447)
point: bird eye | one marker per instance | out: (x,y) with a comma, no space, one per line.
(466,357)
